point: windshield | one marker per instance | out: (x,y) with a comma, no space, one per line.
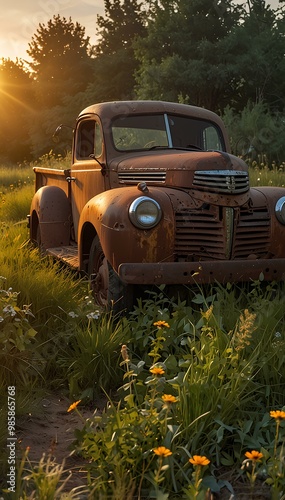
(165,131)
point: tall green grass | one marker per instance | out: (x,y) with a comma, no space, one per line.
(45,284)
(263,174)
(16,176)
(15,203)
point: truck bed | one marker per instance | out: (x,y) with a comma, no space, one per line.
(51,177)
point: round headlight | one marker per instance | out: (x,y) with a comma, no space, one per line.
(144,212)
(280,210)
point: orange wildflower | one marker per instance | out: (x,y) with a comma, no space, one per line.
(157,370)
(254,455)
(74,405)
(161,324)
(161,451)
(198,460)
(169,399)
(277,414)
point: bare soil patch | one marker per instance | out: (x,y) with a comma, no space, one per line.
(50,431)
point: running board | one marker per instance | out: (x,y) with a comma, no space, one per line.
(68,254)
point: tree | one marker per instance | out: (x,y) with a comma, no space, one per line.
(213,53)
(61,60)
(257,46)
(115,63)
(16,98)
(182,56)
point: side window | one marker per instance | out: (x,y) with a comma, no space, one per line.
(85,138)
(211,139)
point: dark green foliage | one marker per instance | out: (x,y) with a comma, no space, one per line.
(115,63)
(212,54)
(256,132)
(255,49)
(182,56)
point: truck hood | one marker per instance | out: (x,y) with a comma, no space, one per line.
(206,170)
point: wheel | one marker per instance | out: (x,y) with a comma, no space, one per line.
(108,290)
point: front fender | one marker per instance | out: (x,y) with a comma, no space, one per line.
(121,241)
(51,212)
(277,238)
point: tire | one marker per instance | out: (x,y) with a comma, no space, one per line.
(108,290)
(37,240)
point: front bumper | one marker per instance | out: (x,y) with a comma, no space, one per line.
(183,273)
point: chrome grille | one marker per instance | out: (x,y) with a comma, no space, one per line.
(221,181)
(133,177)
(202,234)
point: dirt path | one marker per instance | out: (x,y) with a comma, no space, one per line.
(50,431)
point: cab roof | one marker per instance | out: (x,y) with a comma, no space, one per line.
(119,108)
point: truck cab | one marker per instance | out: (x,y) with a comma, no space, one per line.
(154,196)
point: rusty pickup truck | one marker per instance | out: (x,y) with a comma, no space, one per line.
(153,196)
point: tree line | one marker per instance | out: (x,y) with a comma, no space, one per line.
(218,54)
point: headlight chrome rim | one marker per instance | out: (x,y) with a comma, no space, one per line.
(280,210)
(145,220)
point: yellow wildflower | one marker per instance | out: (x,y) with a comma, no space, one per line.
(277,414)
(74,405)
(254,455)
(207,314)
(161,324)
(161,451)
(198,460)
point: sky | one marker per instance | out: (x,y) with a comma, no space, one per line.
(20,20)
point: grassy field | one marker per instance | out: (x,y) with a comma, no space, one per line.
(195,388)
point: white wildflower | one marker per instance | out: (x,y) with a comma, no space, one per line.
(10,310)
(93,315)
(72,314)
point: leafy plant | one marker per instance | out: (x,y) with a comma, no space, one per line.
(16,338)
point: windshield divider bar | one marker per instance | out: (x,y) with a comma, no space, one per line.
(169,138)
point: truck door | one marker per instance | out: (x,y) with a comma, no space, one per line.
(87,179)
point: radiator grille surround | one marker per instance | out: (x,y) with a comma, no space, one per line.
(204,234)
(221,181)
